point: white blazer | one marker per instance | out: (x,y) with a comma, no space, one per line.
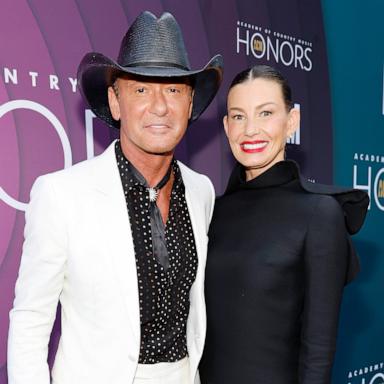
(78,250)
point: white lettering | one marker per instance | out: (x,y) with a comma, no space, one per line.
(36,107)
(33,78)
(299,53)
(377,376)
(290,50)
(10,76)
(275,51)
(366,187)
(242,41)
(306,54)
(73,84)
(54,82)
(278,47)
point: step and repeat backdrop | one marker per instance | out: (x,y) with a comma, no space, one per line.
(45,126)
(355,47)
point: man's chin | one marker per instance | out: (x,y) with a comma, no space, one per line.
(160,151)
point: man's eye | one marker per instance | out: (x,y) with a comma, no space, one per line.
(140,90)
(174,90)
(265,113)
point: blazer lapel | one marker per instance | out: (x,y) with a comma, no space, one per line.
(196,324)
(199,221)
(115,220)
(197,212)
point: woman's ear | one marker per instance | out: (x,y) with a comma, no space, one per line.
(225,123)
(113,104)
(293,121)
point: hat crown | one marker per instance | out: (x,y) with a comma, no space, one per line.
(152,41)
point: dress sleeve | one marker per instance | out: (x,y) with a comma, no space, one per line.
(327,253)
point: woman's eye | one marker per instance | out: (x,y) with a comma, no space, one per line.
(265,113)
(237,117)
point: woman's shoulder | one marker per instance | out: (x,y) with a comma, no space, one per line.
(326,208)
(287,186)
(352,203)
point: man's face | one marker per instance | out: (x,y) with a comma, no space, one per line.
(153,113)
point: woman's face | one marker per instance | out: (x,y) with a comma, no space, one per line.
(258,124)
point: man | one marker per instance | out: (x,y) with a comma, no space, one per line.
(120,240)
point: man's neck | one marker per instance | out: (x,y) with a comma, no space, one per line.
(152,166)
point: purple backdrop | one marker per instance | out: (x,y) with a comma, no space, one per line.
(43,120)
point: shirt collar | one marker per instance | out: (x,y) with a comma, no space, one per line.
(280,173)
(134,178)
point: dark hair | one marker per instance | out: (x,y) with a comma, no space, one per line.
(268,73)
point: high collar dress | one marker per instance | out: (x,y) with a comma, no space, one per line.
(279,256)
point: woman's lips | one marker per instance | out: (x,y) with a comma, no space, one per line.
(253,146)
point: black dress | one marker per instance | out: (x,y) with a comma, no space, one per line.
(279,257)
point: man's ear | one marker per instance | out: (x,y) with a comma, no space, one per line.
(225,123)
(293,121)
(191,104)
(113,104)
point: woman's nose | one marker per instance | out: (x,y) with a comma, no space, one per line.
(252,128)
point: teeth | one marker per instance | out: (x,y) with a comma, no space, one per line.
(254,146)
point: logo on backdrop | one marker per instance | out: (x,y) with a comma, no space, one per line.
(12,77)
(275,46)
(368,175)
(371,374)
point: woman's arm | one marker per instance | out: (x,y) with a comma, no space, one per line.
(326,257)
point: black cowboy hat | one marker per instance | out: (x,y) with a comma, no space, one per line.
(152,47)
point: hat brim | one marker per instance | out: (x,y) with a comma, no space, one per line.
(96,73)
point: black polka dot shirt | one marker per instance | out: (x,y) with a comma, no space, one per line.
(163,294)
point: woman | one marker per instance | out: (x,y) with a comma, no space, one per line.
(279,253)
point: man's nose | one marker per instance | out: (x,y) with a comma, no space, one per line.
(159,105)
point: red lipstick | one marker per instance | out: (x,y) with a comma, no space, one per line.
(255,146)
